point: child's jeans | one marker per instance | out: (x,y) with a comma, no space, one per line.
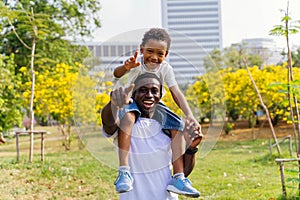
(168,119)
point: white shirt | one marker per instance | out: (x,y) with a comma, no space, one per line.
(150,162)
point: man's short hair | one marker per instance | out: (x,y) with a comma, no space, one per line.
(148,75)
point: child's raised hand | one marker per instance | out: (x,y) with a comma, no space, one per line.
(121,96)
(131,62)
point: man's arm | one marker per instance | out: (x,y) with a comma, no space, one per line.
(110,118)
(193,139)
(128,64)
(189,161)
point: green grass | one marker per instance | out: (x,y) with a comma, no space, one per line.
(232,170)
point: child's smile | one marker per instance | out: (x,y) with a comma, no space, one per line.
(154,53)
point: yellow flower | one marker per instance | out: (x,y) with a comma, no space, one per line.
(23,69)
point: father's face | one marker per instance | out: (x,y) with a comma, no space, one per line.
(147,95)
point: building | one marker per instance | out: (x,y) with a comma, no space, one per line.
(266,48)
(108,55)
(195,29)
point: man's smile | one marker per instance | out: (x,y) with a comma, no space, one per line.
(148,104)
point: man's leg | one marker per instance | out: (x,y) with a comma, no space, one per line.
(124,180)
(177,146)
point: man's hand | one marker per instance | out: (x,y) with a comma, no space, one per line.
(192,135)
(121,97)
(131,62)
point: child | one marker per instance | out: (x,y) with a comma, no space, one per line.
(154,49)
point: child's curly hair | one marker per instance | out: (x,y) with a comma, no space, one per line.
(157,34)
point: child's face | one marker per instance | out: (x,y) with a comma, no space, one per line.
(154,51)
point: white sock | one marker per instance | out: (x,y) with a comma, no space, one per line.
(177,175)
(124,168)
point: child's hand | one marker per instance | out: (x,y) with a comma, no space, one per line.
(121,96)
(131,62)
(192,133)
(197,126)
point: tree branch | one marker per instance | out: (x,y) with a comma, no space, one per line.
(17,35)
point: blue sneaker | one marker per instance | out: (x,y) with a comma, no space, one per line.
(124,182)
(182,185)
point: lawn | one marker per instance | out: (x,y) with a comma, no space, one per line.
(232,170)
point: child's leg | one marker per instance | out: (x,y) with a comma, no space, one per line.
(124,137)
(127,116)
(124,181)
(178,149)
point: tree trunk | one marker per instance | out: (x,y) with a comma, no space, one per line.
(31,111)
(67,136)
(264,107)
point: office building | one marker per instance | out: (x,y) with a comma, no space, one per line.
(195,29)
(264,47)
(108,55)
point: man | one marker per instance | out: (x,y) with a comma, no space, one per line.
(150,149)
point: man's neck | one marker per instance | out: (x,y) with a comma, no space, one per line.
(149,114)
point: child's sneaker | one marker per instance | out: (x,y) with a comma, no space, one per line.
(124,181)
(182,185)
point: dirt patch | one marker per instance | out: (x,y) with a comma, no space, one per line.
(242,132)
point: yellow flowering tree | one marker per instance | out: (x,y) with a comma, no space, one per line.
(198,97)
(102,98)
(207,97)
(170,103)
(69,96)
(90,95)
(240,96)
(54,97)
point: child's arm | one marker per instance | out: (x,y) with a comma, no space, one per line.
(183,105)
(128,64)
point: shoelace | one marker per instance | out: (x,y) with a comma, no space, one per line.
(122,173)
(186,181)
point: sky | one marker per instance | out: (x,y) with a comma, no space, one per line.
(241,19)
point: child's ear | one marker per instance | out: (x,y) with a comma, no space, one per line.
(167,52)
(141,49)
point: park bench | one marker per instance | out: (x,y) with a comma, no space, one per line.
(32,133)
(281,162)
